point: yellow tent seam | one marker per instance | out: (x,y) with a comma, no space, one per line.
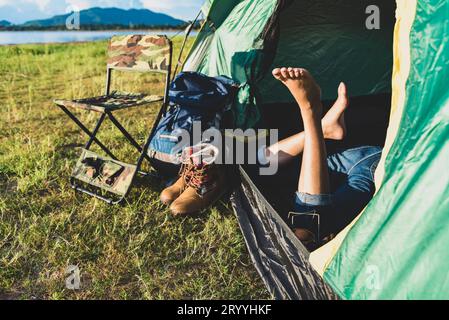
(405,16)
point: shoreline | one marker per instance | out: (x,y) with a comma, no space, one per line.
(170,33)
(103,30)
(48,43)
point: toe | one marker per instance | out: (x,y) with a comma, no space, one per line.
(277,73)
(291,72)
(297,73)
(285,73)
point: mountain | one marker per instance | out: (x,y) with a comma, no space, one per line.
(4,23)
(101,17)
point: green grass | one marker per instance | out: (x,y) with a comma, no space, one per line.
(135,251)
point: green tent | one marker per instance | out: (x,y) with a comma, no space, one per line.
(245,39)
(396,248)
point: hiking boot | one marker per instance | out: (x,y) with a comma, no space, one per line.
(170,194)
(307,238)
(205,181)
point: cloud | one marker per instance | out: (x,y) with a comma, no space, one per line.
(124,4)
(168,5)
(19,11)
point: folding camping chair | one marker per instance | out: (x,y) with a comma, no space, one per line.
(105,177)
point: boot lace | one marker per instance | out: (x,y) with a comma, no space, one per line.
(194,176)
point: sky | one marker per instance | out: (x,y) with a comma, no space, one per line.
(19,11)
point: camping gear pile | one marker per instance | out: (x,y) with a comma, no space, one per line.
(193,99)
(396,249)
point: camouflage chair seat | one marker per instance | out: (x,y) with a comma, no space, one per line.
(111,102)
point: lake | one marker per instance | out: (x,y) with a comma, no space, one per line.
(23,37)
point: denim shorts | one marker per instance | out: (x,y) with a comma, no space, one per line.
(353,189)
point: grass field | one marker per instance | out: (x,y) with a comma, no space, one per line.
(135,251)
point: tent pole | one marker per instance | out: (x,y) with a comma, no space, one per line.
(188,31)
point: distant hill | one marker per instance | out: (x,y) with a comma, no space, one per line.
(103,17)
(4,23)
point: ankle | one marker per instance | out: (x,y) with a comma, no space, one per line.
(333,132)
(311,112)
(326,131)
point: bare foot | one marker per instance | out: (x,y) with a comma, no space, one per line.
(302,86)
(334,125)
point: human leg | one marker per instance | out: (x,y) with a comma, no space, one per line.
(314,177)
(333,125)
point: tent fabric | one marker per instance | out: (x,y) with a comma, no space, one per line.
(398,248)
(217,11)
(280,259)
(330,38)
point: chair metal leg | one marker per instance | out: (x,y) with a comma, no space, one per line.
(126,134)
(88,132)
(93,194)
(95,132)
(93,139)
(144,152)
(142,157)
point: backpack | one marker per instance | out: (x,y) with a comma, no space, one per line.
(193,97)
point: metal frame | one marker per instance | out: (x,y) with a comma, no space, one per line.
(109,114)
(317,219)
